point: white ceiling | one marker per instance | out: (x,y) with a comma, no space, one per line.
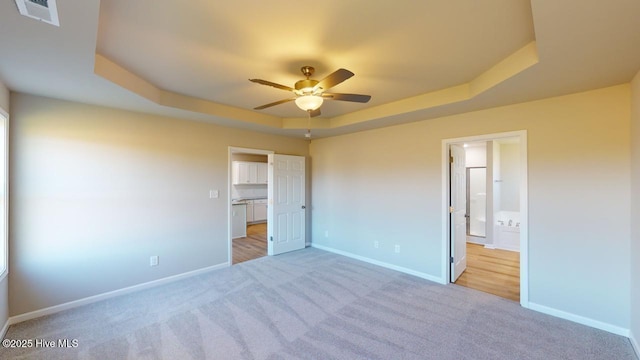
(417,59)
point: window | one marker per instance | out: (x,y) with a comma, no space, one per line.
(4,208)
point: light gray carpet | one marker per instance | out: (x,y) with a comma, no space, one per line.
(312,304)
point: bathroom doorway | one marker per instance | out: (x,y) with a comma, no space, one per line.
(495,194)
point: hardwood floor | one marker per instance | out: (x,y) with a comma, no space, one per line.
(493,271)
(253,246)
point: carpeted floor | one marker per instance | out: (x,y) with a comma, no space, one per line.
(311,304)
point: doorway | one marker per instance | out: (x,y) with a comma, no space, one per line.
(248,221)
(491,262)
(270,195)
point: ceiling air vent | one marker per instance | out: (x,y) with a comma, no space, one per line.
(43,10)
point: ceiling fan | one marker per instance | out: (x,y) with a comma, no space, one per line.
(309,93)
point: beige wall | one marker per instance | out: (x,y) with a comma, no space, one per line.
(635,212)
(510,176)
(97,191)
(385,185)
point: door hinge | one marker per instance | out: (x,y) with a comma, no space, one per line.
(451,209)
(450,159)
(270,238)
(451,260)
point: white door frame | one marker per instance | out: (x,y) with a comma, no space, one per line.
(524,207)
(236,150)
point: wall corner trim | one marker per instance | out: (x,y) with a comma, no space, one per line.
(95,298)
(3,332)
(634,343)
(401,269)
(580,319)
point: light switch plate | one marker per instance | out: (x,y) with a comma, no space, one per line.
(214,194)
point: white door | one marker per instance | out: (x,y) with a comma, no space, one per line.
(286,209)
(458,210)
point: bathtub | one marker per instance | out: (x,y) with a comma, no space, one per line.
(506,231)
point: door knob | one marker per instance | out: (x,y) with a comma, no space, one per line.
(304,207)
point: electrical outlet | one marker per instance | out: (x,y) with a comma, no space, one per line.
(397,249)
(153,260)
(214,194)
(376,244)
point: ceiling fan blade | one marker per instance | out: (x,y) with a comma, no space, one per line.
(315,112)
(269,83)
(333,79)
(273,104)
(347,97)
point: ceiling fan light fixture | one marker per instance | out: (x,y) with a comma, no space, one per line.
(309,102)
(310,93)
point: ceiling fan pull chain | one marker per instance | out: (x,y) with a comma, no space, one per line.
(308,134)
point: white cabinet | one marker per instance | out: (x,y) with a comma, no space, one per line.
(261,173)
(246,172)
(256,210)
(250,211)
(241,173)
(260,210)
(238,221)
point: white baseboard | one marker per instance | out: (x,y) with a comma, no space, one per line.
(499,247)
(95,298)
(581,320)
(382,264)
(476,242)
(634,343)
